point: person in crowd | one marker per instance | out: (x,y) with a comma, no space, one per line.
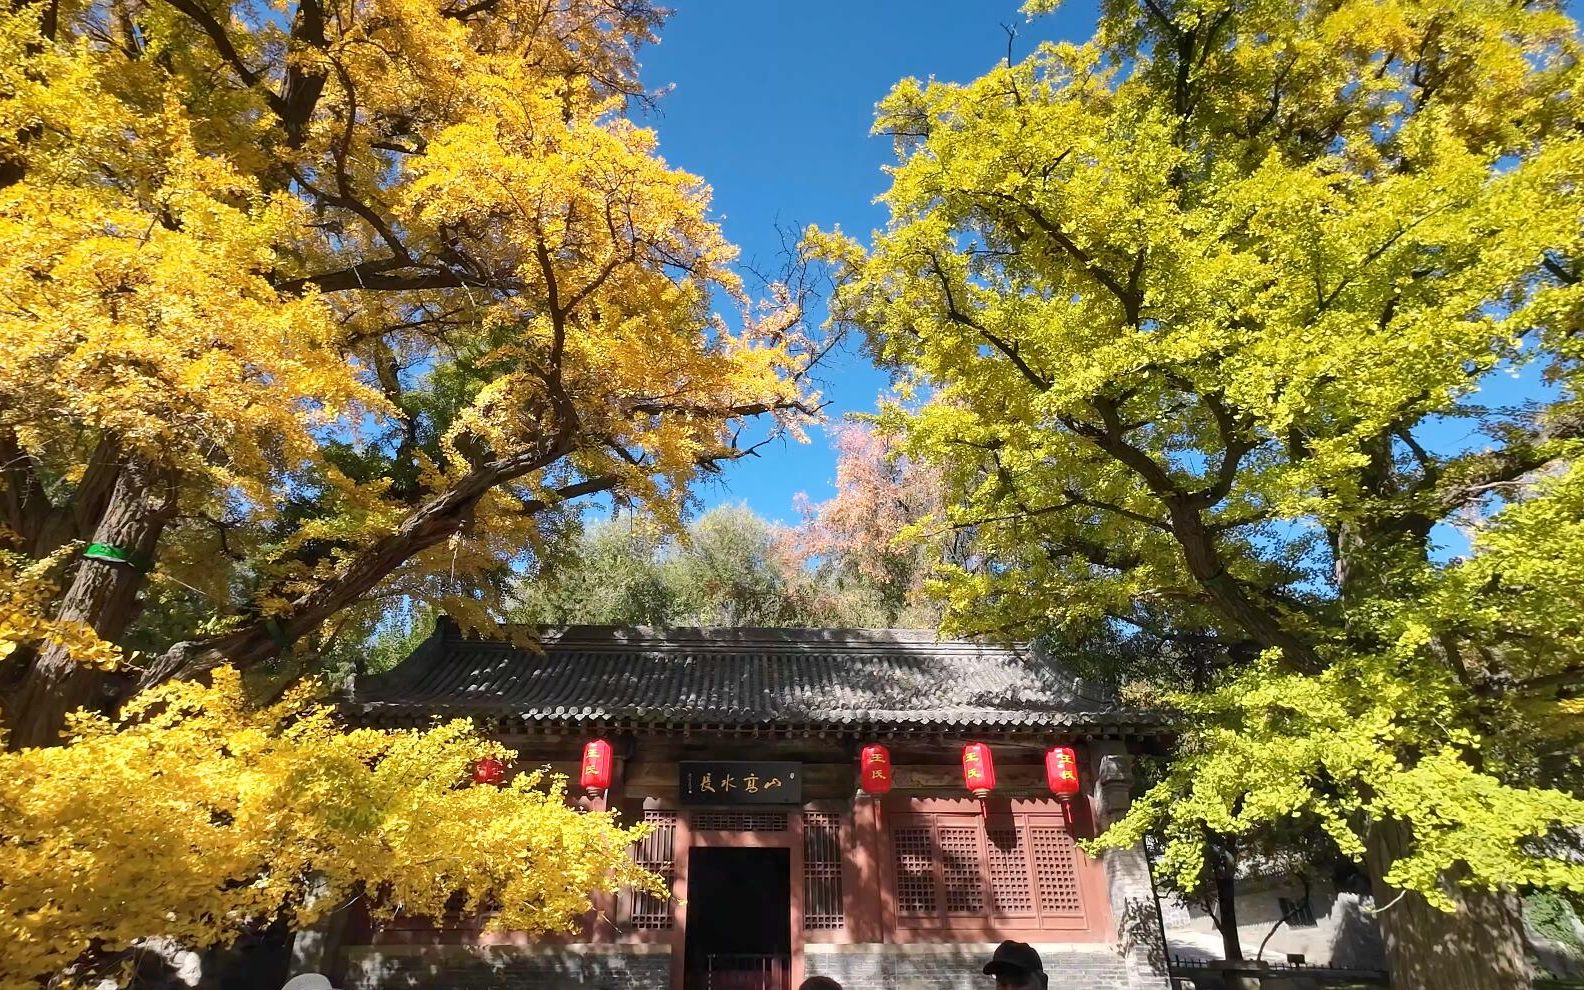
(1016,966)
(819,983)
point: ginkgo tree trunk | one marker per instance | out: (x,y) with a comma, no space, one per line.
(308,308)
(1200,322)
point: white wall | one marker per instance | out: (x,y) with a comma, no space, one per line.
(1343,934)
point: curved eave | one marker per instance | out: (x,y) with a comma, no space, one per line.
(1055,725)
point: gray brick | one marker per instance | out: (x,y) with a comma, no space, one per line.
(958,966)
(455,967)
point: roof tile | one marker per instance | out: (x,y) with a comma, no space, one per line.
(805,677)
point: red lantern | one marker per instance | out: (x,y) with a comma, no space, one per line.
(978,770)
(1061,771)
(874,769)
(489,770)
(596,775)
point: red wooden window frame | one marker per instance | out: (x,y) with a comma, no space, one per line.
(657,853)
(953,870)
(823,904)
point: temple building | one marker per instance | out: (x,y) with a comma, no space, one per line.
(877,806)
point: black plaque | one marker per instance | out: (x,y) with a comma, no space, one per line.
(734,782)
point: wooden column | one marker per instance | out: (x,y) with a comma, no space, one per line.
(681,847)
(861,876)
(603,926)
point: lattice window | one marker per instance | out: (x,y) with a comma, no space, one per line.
(915,869)
(822,872)
(1299,913)
(739,821)
(1057,870)
(962,869)
(657,854)
(950,867)
(1010,892)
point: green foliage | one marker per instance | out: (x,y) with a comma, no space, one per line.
(608,575)
(1194,320)
(1550,914)
(732,568)
(1274,749)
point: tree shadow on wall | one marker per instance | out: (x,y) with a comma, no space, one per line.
(500,966)
(1139,933)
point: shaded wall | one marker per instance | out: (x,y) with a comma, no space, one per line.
(465,967)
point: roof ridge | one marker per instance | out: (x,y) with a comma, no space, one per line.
(751,633)
(802,639)
(748,675)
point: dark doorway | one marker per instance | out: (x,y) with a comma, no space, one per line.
(739,919)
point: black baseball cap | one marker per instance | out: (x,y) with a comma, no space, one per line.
(1014,955)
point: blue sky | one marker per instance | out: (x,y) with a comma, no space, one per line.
(771,104)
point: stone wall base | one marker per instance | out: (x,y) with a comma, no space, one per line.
(466,967)
(958,966)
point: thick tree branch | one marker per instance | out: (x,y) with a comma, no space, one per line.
(305,78)
(463,13)
(1010,350)
(1237,441)
(24,505)
(657,407)
(389,275)
(1563,273)
(1460,482)
(1197,539)
(427,525)
(218,37)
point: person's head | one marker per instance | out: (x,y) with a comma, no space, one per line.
(1016,966)
(819,983)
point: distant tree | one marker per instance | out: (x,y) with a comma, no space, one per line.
(721,570)
(608,574)
(730,567)
(867,540)
(726,572)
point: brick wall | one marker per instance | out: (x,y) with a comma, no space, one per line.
(1136,923)
(1070,966)
(1137,932)
(464,967)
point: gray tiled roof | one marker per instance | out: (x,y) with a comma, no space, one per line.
(737,677)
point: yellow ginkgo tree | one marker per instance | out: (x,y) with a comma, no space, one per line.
(307,306)
(1204,323)
(196,815)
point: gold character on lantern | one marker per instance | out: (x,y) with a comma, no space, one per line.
(877,774)
(972,756)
